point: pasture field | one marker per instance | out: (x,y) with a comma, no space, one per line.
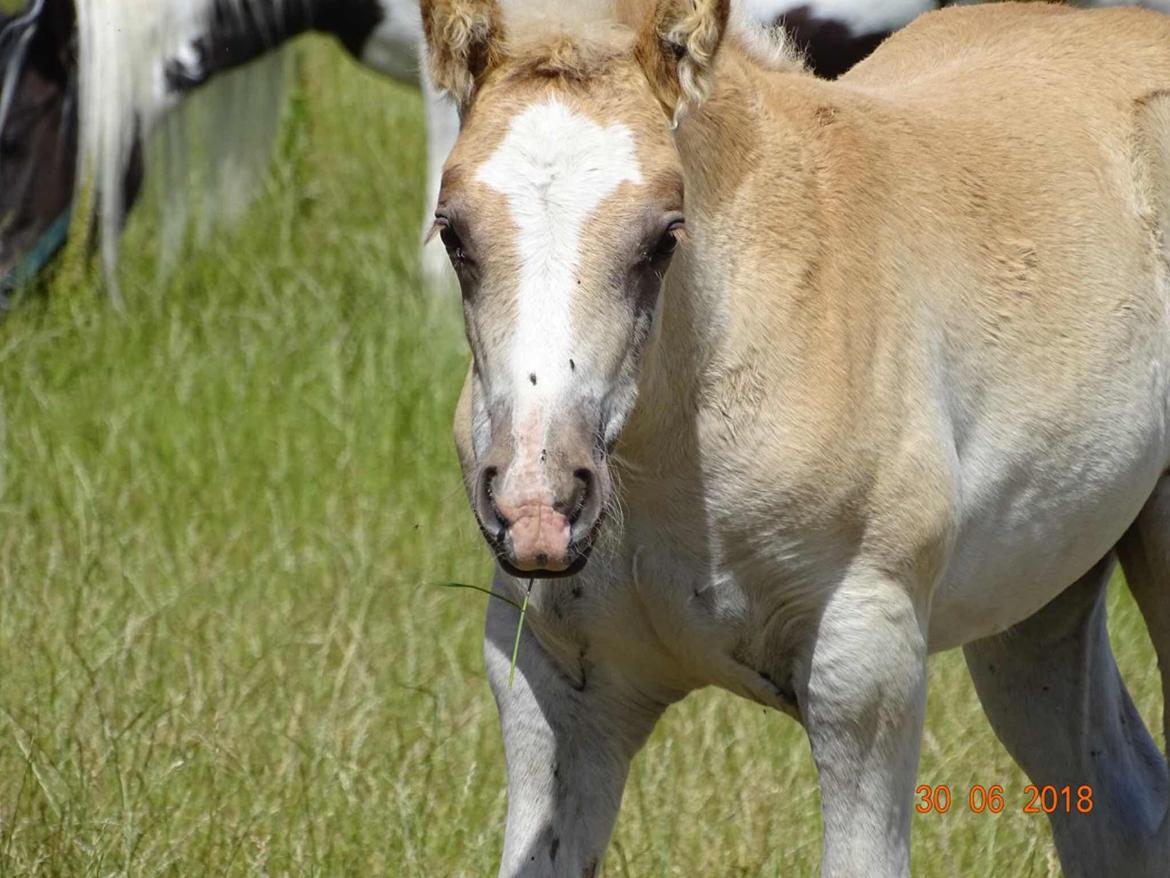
(224,516)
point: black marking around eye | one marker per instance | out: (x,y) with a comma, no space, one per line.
(572,366)
(532,378)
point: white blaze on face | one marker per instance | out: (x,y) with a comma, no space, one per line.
(555,167)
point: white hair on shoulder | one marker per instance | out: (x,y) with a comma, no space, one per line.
(124,49)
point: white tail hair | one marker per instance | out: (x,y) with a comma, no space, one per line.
(125,47)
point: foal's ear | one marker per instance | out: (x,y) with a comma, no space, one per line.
(676,47)
(464,41)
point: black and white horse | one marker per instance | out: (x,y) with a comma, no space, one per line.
(86,82)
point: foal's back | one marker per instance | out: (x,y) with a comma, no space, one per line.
(1008,163)
(965,49)
(1022,123)
(1024,162)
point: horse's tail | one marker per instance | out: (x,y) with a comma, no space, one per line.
(224,138)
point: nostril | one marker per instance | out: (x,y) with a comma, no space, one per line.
(491,512)
(583,479)
(487,477)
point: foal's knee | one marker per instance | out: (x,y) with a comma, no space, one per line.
(863,705)
(868,654)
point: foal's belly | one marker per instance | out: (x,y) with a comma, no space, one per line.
(1031,523)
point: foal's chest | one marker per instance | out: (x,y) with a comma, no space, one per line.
(671,611)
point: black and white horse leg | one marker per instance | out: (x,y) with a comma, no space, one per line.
(385,35)
(1052,691)
(568,740)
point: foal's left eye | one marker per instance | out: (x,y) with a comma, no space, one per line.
(667,243)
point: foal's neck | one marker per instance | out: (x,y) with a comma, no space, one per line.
(742,157)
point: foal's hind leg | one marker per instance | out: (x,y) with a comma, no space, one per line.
(1145,557)
(1051,688)
(569,737)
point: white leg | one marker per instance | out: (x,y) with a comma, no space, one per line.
(863,708)
(442,131)
(568,740)
(1054,696)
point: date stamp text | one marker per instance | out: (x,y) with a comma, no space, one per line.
(939,798)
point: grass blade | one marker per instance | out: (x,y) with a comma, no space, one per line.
(519,628)
(487,591)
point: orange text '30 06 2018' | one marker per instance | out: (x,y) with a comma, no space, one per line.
(939,798)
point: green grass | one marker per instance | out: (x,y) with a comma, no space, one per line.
(223,518)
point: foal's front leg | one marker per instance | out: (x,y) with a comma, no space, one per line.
(569,737)
(863,708)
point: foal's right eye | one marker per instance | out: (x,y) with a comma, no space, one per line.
(454,244)
(450,239)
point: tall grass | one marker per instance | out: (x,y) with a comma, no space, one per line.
(223,514)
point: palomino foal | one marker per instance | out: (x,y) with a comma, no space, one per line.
(902,387)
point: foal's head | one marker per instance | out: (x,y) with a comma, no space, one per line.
(38,127)
(561,206)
